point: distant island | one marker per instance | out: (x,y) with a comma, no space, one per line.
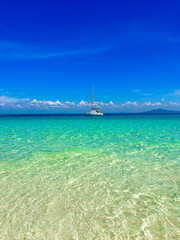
(151,112)
(161,111)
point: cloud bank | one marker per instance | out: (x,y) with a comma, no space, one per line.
(12,104)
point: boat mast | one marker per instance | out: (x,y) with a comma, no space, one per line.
(92,97)
(91,100)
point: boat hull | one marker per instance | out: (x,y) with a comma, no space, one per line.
(93,114)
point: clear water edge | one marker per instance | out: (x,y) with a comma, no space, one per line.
(115,177)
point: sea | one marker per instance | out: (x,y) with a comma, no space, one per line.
(74,177)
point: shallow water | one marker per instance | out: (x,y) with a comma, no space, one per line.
(112,177)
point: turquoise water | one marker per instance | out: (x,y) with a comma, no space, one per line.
(112,177)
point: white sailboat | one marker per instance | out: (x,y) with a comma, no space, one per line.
(95,111)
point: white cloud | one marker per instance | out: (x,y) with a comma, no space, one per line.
(111,103)
(129,103)
(67,104)
(25,104)
(46,104)
(34,101)
(152,104)
(82,103)
(70,103)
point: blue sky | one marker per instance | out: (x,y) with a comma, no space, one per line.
(51,53)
